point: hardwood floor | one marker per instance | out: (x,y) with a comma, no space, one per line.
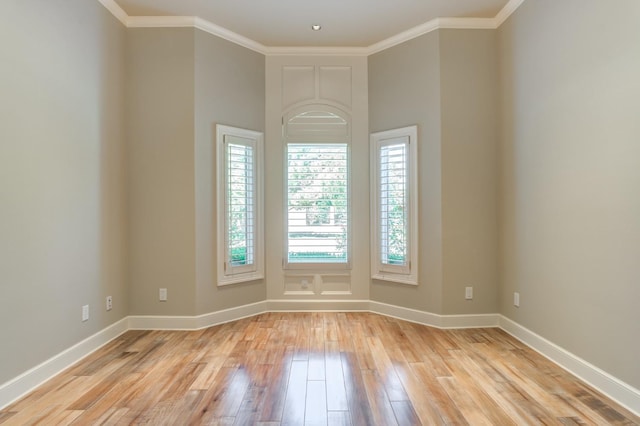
(316,369)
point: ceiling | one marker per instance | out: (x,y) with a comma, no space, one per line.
(345,23)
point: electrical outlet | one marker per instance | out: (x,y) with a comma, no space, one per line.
(304,284)
(109,303)
(163,294)
(85,313)
(468,293)
(516,299)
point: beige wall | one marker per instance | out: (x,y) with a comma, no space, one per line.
(469,86)
(570,177)
(181,83)
(404,89)
(160,130)
(446,82)
(230,90)
(62,177)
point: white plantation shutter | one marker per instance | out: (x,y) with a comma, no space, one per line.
(393,199)
(240,204)
(240,255)
(317,203)
(394,190)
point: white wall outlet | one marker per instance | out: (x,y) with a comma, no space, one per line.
(468,293)
(85,313)
(516,299)
(109,303)
(304,284)
(163,294)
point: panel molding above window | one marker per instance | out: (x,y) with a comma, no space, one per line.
(394,205)
(239,205)
(317,188)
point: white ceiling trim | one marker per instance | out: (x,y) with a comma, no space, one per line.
(115,10)
(316,51)
(506,11)
(161,21)
(224,33)
(434,24)
(211,28)
(467,23)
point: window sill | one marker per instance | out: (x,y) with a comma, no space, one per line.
(395,279)
(240,278)
(317,266)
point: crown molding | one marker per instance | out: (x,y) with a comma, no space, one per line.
(194,22)
(316,51)
(467,23)
(407,35)
(161,21)
(216,30)
(116,10)
(228,35)
(506,11)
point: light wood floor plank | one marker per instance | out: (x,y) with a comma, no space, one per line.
(316,369)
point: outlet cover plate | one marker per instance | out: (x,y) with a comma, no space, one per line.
(468,293)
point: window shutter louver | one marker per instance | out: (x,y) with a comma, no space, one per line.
(392,201)
(317,203)
(240,204)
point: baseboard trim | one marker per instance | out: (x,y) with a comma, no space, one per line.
(152,322)
(435,320)
(619,391)
(18,387)
(297,305)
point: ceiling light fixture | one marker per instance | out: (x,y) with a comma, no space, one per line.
(316,27)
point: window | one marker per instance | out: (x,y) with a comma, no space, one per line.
(317,203)
(317,223)
(394,205)
(240,245)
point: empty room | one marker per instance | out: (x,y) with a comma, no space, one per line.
(336,213)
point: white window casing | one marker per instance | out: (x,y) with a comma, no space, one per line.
(239,205)
(394,205)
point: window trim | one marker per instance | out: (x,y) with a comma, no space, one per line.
(380,271)
(227,276)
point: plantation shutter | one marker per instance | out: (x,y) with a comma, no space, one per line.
(317,203)
(393,202)
(240,204)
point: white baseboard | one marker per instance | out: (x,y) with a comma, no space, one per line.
(622,393)
(23,384)
(157,322)
(232,314)
(435,320)
(149,322)
(291,305)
